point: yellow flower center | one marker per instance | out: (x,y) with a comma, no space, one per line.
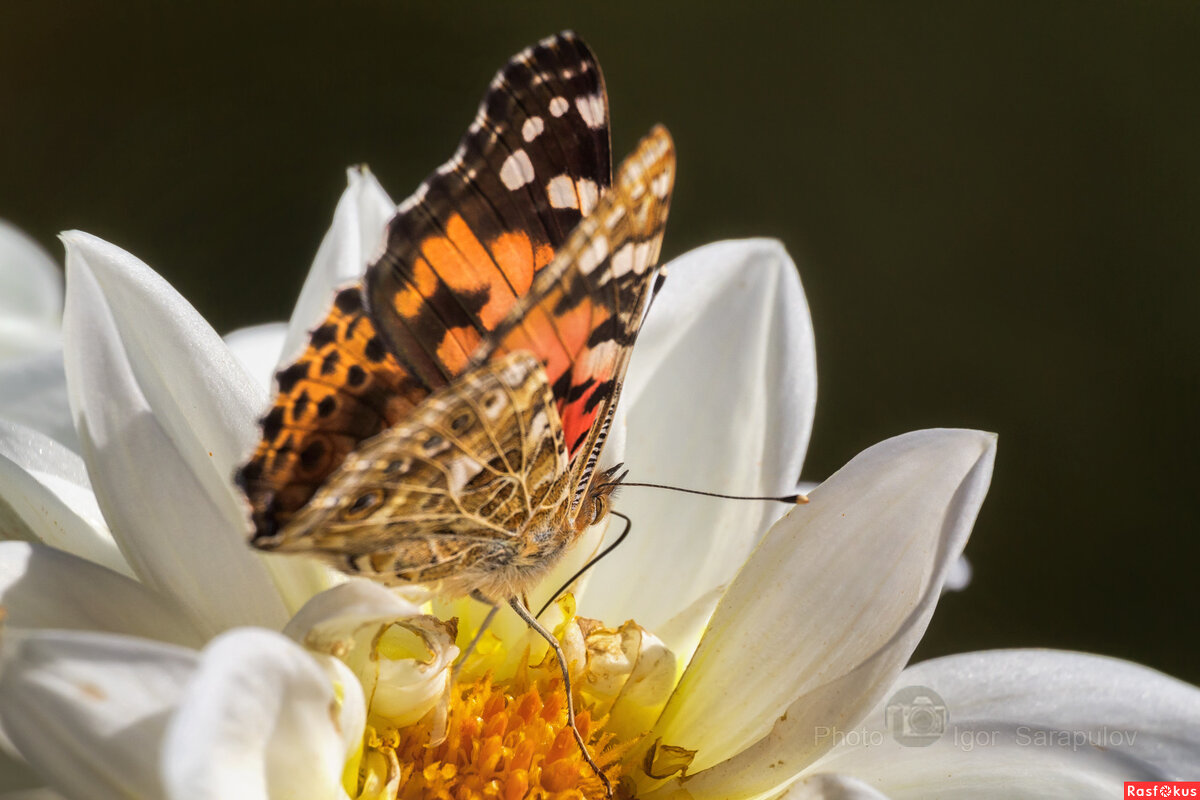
(507,741)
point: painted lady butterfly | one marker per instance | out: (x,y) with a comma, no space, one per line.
(444,423)
(445,420)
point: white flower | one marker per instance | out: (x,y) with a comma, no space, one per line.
(30,296)
(32,385)
(140,655)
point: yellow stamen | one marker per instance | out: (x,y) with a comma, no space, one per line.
(505,741)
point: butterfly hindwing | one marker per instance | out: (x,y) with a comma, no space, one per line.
(450,493)
(584,311)
(458,255)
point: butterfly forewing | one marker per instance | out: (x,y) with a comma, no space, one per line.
(472,236)
(465,491)
(458,255)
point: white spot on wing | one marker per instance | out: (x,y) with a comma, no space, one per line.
(591,108)
(558,106)
(515,373)
(461,470)
(561,192)
(517,170)
(595,253)
(415,198)
(644,255)
(532,128)
(539,426)
(622,260)
(589,195)
(661,185)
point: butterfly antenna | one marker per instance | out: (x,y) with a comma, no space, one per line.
(659,280)
(591,563)
(793,499)
(524,614)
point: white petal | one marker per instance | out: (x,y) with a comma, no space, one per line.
(261,719)
(30,295)
(629,675)
(257,349)
(686,627)
(1033,721)
(720,397)
(163,411)
(355,237)
(826,611)
(88,710)
(959,576)
(18,781)
(334,615)
(45,496)
(199,392)
(831,787)
(20,338)
(41,587)
(401,657)
(33,392)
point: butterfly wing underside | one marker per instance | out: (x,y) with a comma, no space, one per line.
(450,494)
(458,255)
(585,310)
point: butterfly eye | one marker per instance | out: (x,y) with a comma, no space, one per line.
(365,503)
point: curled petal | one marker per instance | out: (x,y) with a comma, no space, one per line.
(723,379)
(401,656)
(261,719)
(826,612)
(628,675)
(85,709)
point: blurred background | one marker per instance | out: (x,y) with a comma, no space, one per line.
(994,208)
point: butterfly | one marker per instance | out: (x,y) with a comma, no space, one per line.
(444,424)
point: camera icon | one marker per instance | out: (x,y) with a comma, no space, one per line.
(916,716)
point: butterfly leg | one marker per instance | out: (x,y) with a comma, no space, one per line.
(487,621)
(524,614)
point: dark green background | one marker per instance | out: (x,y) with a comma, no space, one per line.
(995,208)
